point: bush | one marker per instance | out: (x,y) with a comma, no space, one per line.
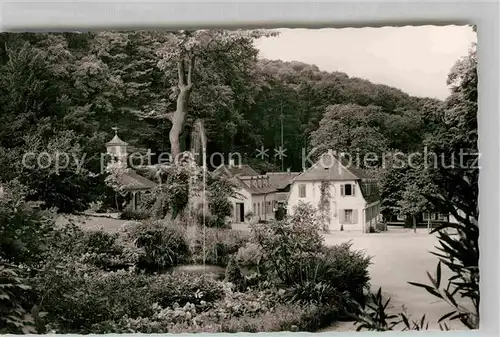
(25,230)
(288,246)
(105,250)
(284,317)
(291,255)
(347,269)
(220,190)
(248,215)
(14,317)
(234,275)
(181,288)
(165,245)
(220,245)
(130,214)
(83,299)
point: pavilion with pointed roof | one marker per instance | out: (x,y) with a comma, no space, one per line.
(133,183)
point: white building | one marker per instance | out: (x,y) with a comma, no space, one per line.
(257,198)
(354,200)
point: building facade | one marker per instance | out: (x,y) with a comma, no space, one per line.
(351,194)
(258,196)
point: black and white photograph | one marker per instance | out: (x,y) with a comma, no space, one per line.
(239,180)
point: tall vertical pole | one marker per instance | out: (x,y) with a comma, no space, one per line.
(204,165)
(281,118)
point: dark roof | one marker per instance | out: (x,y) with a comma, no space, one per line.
(330,167)
(372,197)
(132,181)
(116,141)
(246,184)
(236,170)
(260,190)
(280,180)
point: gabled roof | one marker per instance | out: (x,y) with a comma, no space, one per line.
(132,181)
(236,170)
(246,183)
(331,167)
(116,141)
(241,174)
(281,180)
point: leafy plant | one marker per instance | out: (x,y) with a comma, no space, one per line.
(292,255)
(374,315)
(14,291)
(130,214)
(25,229)
(164,244)
(460,253)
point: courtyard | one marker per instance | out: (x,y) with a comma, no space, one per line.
(399,256)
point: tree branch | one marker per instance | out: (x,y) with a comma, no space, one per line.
(153,115)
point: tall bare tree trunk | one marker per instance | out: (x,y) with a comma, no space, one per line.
(414,224)
(178,117)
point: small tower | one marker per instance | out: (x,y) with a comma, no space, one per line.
(117,148)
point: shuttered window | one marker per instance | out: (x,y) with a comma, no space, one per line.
(302,191)
(348,190)
(349,216)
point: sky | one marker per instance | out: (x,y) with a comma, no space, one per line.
(415,59)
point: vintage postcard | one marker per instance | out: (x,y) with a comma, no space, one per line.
(317,180)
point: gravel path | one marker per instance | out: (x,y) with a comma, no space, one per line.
(398,256)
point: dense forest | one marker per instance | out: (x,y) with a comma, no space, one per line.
(65,92)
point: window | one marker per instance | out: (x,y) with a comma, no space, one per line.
(347,189)
(258,208)
(349,216)
(441,217)
(254,209)
(425,216)
(302,191)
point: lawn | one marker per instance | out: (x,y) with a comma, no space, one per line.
(109,225)
(399,255)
